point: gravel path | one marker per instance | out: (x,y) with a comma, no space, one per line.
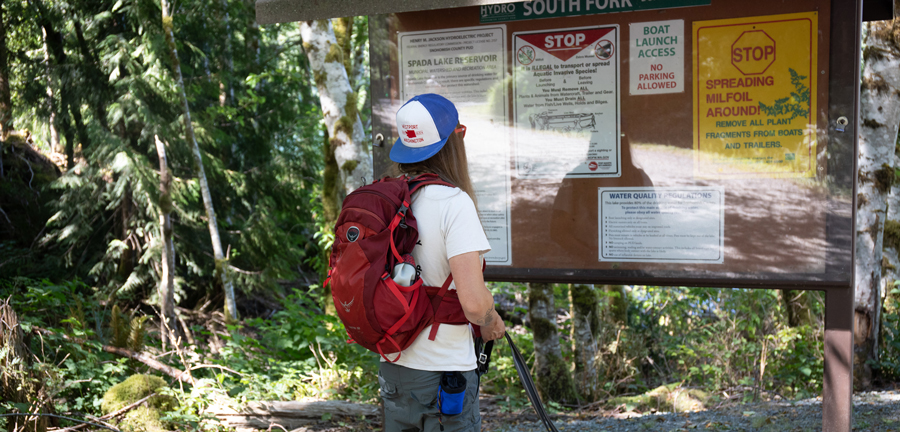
(872,411)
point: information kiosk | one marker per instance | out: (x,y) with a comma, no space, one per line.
(665,142)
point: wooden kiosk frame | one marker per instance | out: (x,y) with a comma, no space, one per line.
(773,211)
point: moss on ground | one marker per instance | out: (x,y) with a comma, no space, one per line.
(145,418)
(669,397)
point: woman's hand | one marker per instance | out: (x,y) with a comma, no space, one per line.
(494,329)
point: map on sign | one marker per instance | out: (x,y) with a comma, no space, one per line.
(566,111)
(755,97)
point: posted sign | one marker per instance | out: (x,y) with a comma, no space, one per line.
(566,93)
(657,57)
(755,96)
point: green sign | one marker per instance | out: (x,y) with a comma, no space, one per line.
(535,9)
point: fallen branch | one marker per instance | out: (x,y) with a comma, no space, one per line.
(144,358)
(288,414)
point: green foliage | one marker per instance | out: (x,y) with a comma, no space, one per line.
(718,338)
(888,366)
(74,369)
(797,104)
(255,116)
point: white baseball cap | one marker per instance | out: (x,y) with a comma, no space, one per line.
(424,123)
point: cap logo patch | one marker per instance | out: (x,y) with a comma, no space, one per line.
(412,133)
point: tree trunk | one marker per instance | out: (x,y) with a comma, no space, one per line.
(796,307)
(54,43)
(19,383)
(879,117)
(167,278)
(222,267)
(552,373)
(338,101)
(618,303)
(51,102)
(5,96)
(585,325)
(99,81)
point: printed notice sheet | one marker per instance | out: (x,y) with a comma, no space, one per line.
(656,63)
(467,66)
(566,103)
(755,96)
(665,224)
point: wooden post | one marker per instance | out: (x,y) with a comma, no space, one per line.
(837,388)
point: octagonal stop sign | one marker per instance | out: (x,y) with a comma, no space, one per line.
(753,52)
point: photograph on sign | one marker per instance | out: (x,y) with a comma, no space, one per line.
(468,66)
(662,224)
(566,103)
(656,60)
(755,96)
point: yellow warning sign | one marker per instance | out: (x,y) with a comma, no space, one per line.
(755,96)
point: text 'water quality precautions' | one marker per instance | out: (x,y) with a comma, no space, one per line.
(566,109)
(677,224)
(755,96)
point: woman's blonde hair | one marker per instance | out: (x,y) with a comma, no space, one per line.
(449,163)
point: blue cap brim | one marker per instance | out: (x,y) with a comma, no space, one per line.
(403,154)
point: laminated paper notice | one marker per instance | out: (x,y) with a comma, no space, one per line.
(467,66)
(566,103)
(755,96)
(670,224)
(657,57)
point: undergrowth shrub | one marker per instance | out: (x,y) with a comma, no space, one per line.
(75,371)
(300,352)
(889,362)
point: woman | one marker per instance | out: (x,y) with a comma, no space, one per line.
(451,240)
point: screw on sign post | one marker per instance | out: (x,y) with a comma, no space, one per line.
(753,52)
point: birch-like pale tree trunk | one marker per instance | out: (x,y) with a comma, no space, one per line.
(167,278)
(222,267)
(585,325)
(891,272)
(51,102)
(551,372)
(879,118)
(338,102)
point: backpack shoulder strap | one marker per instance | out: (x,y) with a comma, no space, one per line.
(421,180)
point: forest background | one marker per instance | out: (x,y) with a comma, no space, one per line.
(169,178)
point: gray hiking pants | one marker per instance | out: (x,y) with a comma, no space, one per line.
(410,401)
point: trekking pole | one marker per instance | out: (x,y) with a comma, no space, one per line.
(528,383)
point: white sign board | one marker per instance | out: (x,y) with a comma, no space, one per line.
(656,60)
(467,66)
(666,224)
(566,103)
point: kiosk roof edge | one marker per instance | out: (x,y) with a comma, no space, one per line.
(282,11)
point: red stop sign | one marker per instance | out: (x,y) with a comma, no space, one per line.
(753,52)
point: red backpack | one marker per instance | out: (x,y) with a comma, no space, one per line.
(376,230)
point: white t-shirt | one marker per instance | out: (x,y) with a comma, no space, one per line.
(448,226)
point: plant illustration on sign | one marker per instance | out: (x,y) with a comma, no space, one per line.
(797,104)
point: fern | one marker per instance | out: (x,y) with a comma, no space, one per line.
(119,327)
(137,333)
